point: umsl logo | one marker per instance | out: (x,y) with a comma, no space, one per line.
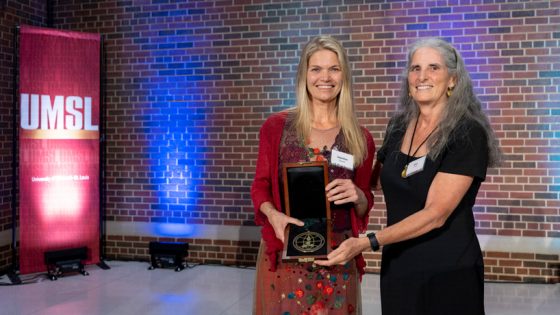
(40,112)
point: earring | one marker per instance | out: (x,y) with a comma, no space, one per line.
(449,91)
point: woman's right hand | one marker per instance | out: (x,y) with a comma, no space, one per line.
(278,220)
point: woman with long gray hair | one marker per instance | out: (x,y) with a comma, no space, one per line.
(435,156)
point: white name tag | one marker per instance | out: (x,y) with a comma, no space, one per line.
(415,166)
(342,159)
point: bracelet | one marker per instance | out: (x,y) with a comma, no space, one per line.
(373,241)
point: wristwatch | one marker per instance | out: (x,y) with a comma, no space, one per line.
(373,241)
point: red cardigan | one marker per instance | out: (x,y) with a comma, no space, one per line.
(266,183)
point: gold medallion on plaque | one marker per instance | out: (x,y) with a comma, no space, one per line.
(308,242)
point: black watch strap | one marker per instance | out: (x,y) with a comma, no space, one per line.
(373,241)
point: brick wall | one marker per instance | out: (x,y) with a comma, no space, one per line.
(504,266)
(31,12)
(190,82)
(226,252)
(521,267)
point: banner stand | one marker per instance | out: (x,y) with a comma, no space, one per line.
(101,264)
(59,123)
(12,273)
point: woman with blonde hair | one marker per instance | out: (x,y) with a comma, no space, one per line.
(322,124)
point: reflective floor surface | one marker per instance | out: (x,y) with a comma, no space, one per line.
(129,288)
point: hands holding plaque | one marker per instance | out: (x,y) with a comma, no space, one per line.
(305,199)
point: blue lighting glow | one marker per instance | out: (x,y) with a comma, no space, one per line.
(184,298)
(173,122)
(175,230)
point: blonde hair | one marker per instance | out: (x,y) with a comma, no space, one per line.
(353,134)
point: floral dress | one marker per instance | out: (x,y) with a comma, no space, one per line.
(302,287)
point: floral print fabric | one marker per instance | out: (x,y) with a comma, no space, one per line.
(303,288)
(306,289)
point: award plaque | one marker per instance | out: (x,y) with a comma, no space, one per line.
(305,199)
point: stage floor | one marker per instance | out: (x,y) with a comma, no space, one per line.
(129,288)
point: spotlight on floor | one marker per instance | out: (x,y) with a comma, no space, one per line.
(64,261)
(168,254)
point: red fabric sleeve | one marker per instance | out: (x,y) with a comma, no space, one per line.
(362,179)
(265,185)
(261,189)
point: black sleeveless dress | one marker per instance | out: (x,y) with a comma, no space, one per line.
(441,272)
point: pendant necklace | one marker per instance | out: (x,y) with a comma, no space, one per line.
(403,173)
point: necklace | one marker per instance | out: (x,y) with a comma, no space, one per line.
(403,173)
(323,140)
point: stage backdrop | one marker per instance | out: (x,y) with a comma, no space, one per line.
(59,95)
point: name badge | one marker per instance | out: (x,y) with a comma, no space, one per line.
(342,159)
(415,166)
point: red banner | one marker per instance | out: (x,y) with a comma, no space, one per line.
(58,144)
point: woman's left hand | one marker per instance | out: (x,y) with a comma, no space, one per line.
(341,191)
(345,252)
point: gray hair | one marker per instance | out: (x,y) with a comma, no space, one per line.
(462,104)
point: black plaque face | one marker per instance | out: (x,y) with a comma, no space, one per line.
(306,189)
(305,199)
